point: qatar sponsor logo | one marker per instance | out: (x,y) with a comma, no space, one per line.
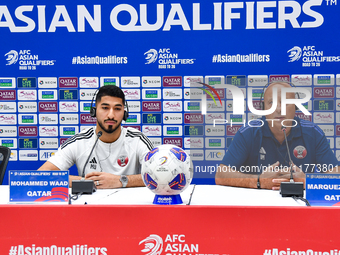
(301,115)
(88,82)
(62,140)
(68,82)
(337,130)
(172,81)
(86,118)
(220,93)
(232,130)
(28,131)
(279,78)
(323,92)
(48,106)
(7,94)
(152,106)
(174,141)
(193,118)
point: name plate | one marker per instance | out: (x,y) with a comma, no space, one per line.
(38,186)
(323,189)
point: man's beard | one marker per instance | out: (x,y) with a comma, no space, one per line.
(110,129)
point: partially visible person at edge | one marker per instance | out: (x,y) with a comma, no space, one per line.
(258,156)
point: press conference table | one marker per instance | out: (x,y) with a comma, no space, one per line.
(219,220)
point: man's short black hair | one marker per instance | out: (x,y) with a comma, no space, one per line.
(110,90)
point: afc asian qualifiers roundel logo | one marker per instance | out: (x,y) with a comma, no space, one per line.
(122,160)
(153,245)
(300,152)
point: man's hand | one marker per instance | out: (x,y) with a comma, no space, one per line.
(104,180)
(273,176)
(298,175)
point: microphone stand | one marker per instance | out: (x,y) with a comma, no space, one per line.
(85,186)
(291,188)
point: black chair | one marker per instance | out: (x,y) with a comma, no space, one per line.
(5,152)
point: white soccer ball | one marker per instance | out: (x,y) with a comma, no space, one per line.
(167,170)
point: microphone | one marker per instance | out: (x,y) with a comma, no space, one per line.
(291,188)
(85,186)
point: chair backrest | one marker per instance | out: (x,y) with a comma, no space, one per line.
(5,153)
